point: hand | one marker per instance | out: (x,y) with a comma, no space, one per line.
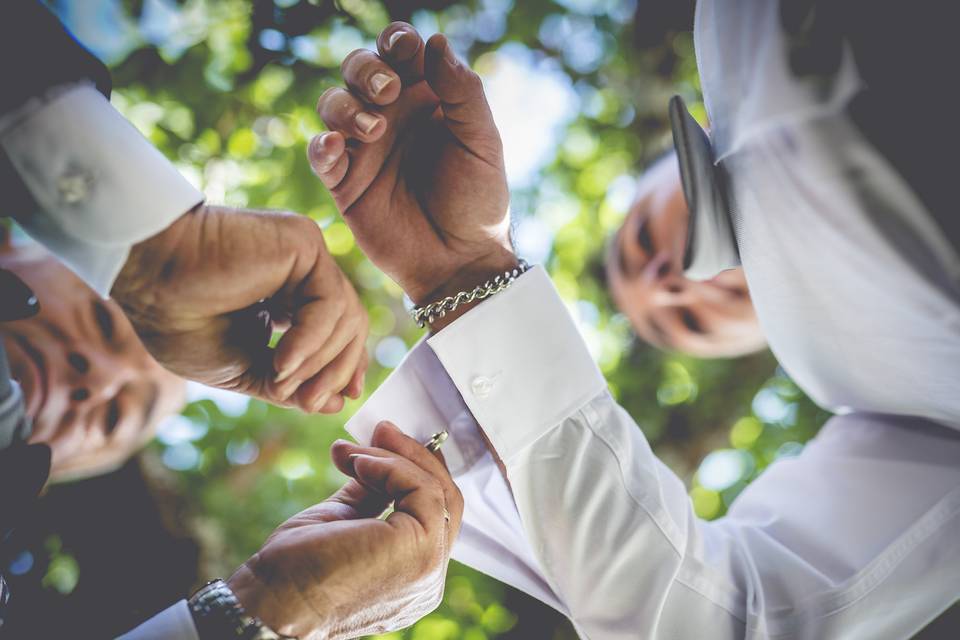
(421,182)
(206,293)
(338,571)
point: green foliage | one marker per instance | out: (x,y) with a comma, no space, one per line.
(228,93)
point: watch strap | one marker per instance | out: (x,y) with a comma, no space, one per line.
(218,615)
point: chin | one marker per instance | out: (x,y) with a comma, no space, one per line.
(76,470)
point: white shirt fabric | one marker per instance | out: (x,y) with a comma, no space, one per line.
(843,262)
(173,623)
(859,536)
(99,186)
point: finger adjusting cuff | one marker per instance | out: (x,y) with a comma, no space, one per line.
(429,313)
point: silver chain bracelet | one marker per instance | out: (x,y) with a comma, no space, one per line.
(428,314)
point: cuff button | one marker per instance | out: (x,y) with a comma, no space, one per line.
(481,386)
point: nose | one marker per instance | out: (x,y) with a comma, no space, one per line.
(95,376)
(659,268)
(668,283)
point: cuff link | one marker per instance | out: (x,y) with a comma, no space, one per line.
(436,441)
(74,186)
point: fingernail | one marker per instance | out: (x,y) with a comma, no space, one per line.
(379,82)
(285,373)
(366,122)
(288,390)
(322,400)
(360,385)
(394,39)
(352,458)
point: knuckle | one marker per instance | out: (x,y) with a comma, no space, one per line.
(304,226)
(457,497)
(347,61)
(437,494)
(326,97)
(473,80)
(338,305)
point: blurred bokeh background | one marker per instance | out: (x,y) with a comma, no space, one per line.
(226,89)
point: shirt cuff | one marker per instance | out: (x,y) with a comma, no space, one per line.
(421,400)
(99,186)
(173,623)
(519,363)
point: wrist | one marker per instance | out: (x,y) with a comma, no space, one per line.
(138,286)
(256,599)
(467,277)
(218,614)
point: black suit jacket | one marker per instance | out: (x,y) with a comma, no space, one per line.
(36,54)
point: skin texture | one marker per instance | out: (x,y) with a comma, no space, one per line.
(336,570)
(709,319)
(423,186)
(206,293)
(93,392)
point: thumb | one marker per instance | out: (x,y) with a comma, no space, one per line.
(464,105)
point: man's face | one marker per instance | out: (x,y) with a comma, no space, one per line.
(94,393)
(644,266)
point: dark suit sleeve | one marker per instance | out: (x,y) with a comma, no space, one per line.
(37,53)
(907,54)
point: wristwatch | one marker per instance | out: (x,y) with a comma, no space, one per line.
(218,615)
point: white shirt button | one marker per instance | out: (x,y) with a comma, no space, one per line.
(74,186)
(481,386)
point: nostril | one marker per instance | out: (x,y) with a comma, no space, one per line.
(663,270)
(78,362)
(674,288)
(79,395)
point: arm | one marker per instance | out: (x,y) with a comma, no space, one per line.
(204,286)
(611,536)
(598,527)
(339,569)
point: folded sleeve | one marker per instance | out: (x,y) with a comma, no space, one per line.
(174,623)
(824,545)
(98,186)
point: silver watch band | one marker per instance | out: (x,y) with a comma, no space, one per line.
(218,615)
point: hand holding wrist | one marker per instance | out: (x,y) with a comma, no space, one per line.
(205,294)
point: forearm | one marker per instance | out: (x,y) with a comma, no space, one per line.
(602,530)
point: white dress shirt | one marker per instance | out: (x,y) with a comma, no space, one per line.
(844,263)
(859,536)
(99,186)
